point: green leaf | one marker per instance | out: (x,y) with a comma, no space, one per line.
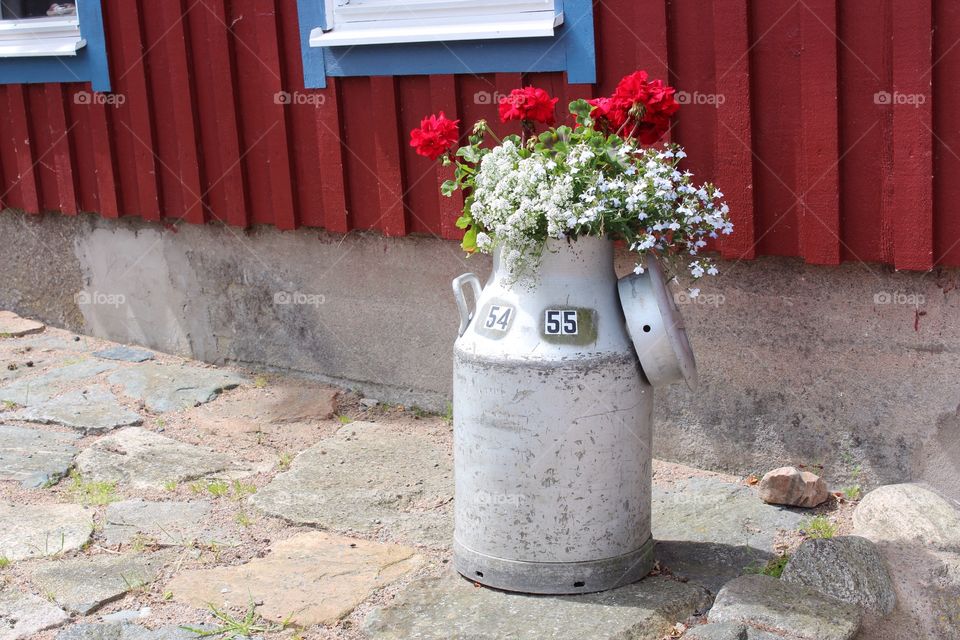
(464,221)
(469,243)
(581,108)
(448,187)
(470,154)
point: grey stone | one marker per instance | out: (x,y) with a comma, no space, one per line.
(28,455)
(22,615)
(126,631)
(363,478)
(164,387)
(126,615)
(84,584)
(35,531)
(908,514)
(790,610)
(165,524)
(93,409)
(13,326)
(717,631)
(369,403)
(927,583)
(451,607)
(124,354)
(40,480)
(39,388)
(711,531)
(849,568)
(144,459)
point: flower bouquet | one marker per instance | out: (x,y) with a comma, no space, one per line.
(606,175)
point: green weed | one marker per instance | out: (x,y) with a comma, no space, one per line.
(818,528)
(91,492)
(230,627)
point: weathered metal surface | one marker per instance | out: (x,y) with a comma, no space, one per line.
(552,437)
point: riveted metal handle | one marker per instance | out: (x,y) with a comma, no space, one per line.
(465,314)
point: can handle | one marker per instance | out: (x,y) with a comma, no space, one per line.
(465,315)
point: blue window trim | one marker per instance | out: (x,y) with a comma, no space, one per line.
(90,63)
(571,49)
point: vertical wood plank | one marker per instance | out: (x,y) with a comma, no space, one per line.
(20,138)
(912,103)
(443,97)
(819,143)
(217,103)
(174,49)
(383,94)
(332,167)
(734,139)
(62,152)
(103,160)
(132,81)
(277,140)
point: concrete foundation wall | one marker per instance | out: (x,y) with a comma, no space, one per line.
(854,368)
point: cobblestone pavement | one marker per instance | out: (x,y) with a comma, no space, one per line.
(142,493)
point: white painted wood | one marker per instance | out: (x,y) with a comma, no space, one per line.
(31,37)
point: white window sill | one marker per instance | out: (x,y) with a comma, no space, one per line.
(534,24)
(34,37)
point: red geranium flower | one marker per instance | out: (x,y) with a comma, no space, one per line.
(531,104)
(435,136)
(639,107)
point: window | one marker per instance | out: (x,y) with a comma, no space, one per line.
(363,22)
(53,41)
(415,37)
(38,28)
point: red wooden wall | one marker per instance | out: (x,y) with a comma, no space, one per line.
(811,163)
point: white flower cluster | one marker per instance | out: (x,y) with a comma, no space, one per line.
(632,193)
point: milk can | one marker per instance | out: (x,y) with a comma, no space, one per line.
(552,420)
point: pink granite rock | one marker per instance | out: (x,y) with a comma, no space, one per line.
(790,486)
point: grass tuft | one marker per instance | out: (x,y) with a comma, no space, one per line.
(818,528)
(91,492)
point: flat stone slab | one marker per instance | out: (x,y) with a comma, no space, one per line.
(848,568)
(36,531)
(710,531)
(164,387)
(13,326)
(164,523)
(144,459)
(124,354)
(91,410)
(83,584)
(790,610)
(278,404)
(125,631)
(311,578)
(27,454)
(452,607)
(908,514)
(22,615)
(365,478)
(28,391)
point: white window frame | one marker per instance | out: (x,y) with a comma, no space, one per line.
(366,22)
(32,37)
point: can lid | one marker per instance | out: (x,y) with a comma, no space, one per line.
(656,328)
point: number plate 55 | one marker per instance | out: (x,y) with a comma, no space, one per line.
(561,322)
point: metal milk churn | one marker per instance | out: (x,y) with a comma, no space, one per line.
(552,420)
